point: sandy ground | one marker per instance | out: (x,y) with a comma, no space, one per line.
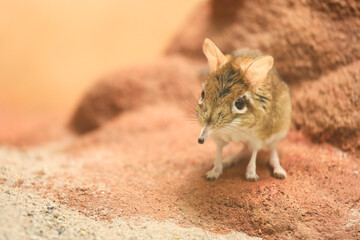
(25,215)
(145,179)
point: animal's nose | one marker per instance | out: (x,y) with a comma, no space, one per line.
(201,140)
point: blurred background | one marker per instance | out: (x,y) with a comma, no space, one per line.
(52,51)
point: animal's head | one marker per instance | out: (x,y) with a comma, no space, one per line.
(228,94)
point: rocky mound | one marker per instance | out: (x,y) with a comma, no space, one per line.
(170,79)
(316,46)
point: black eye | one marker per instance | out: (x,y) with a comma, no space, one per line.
(202,95)
(240,103)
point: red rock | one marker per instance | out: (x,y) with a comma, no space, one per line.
(330,109)
(306,38)
(309,40)
(170,78)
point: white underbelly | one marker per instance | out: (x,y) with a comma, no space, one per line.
(235,135)
(246,136)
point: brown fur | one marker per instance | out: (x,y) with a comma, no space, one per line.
(269,106)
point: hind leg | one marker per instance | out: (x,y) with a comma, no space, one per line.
(278,170)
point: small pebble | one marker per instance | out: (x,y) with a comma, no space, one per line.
(60,230)
(83,233)
(56,214)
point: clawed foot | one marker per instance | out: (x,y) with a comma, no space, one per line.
(213,174)
(279,173)
(251,177)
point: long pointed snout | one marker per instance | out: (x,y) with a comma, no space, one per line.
(204,134)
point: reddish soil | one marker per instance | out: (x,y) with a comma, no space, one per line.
(155,168)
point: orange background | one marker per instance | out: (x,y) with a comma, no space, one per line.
(52,51)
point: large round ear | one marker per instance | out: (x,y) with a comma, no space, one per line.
(257,70)
(214,56)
